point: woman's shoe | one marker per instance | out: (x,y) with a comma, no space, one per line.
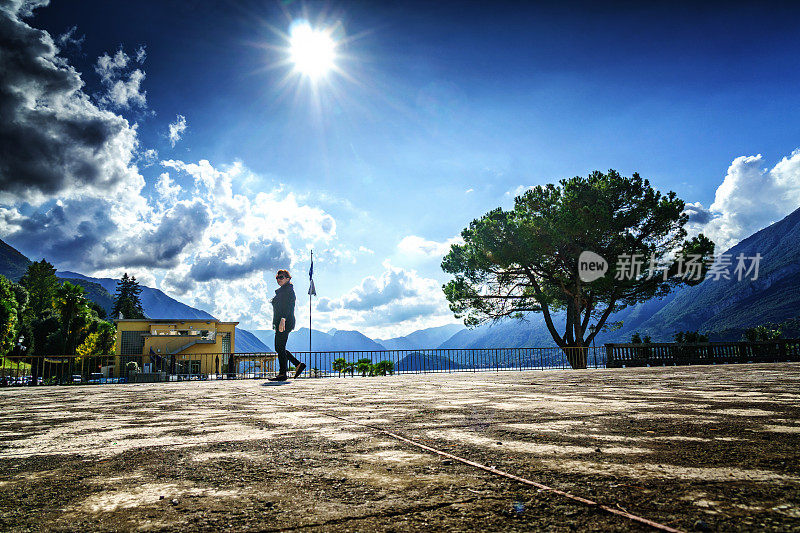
(279,377)
(299,370)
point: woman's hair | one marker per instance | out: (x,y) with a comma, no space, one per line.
(285,273)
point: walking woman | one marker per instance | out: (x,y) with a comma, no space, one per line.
(283,323)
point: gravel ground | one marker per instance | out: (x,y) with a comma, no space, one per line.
(696,448)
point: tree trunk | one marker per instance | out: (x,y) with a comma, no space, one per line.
(576,356)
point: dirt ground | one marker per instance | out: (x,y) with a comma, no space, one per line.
(696,448)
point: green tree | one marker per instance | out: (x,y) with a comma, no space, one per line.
(126,299)
(98,309)
(75,316)
(526,259)
(12,306)
(100,339)
(363,366)
(42,285)
(339,365)
(689,337)
(381,368)
(46,335)
(762,333)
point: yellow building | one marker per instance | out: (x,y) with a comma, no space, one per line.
(176,346)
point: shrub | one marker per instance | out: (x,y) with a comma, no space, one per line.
(339,364)
(364,366)
(762,333)
(381,368)
(690,337)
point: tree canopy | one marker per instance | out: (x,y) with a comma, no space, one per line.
(527,259)
(42,285)
(55,318)
(13,300)
(126,299)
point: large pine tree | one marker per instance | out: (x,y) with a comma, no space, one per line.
(42,285)
(126,299)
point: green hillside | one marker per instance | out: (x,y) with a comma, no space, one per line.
(733,305)
(12,263)
(95,292)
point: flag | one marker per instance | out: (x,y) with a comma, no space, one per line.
(312,291)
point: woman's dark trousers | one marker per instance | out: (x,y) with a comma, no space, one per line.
(284,355)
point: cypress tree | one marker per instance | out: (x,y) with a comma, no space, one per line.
(126,299)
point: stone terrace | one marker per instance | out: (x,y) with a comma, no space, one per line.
(703,448)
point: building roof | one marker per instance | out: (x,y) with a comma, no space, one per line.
(173,320)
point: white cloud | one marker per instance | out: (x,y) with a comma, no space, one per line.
(167,189)
(750,198)
(519,190)
(148,157)
(123,87)
(110,66)
(418,246)
(176,130)
(69,40)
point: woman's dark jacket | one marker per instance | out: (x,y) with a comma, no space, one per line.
(283,307)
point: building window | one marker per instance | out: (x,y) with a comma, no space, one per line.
(132,342)
(226,342)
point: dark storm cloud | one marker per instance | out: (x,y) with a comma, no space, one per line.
(52,137)
(262,255)
(179,285)
(48,232)
(698,214)
(182,226)
(74,234)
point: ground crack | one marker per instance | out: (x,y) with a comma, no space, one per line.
(385,514)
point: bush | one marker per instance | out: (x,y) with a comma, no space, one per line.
(364,366)
(690,337)
(762,333)
(381,368)
(339,364)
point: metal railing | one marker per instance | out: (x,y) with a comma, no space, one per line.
(64,369)
(702,353)
(70,369)
(359,363)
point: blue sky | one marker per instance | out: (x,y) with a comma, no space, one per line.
(435,115)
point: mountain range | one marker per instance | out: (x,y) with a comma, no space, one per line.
(722,308)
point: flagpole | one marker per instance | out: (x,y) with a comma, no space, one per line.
(311,280)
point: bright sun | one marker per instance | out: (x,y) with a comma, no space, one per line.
(312,51)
